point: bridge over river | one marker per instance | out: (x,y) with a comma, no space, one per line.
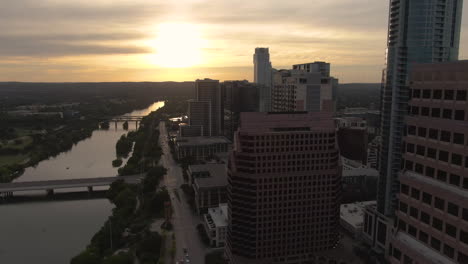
(7,189)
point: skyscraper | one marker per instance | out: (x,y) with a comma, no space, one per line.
(432,217)
(284,188)
(263,77)
(419,31)
(208,90)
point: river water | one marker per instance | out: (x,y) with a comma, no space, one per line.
(54,232)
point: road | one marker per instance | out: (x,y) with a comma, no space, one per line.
(183,220)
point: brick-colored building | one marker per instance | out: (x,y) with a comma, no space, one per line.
(431,224)
(284,188)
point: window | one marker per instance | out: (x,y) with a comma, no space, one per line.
(437,94)
(452,209)
(403,207)
(431,153)
(423,237)
(439,203)
(420,150)
(465,214)
(443,156)
(458,138)
(449,251)
(447,114)
(462,258)
(435,243)
(437,223)
(414,212)
(407,260)
(448,94)
(426,94)
(465,183)
(466,162)
(427,198)
(412,230)
(396,253)
(454,179)
(412,130)
(410,148)
(415,193)
(422,132)
(435,112)
(404,189)
(430,172)
(416,93)
(402,225)
(456,159)
(451,230)
(461,95)
(425,218)
(445,136)
(460,115)
(434,134)
(464,237)
(425,111)
(419,168)
(415,110)
(442,175)
(409,165)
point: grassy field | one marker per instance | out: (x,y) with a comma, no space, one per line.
(25,141)
(11,159)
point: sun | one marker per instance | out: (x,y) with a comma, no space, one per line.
(177,45)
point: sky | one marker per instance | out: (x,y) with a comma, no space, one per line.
(155,40)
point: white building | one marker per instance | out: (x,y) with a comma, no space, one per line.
(216,225)
(263,77)
(352,217)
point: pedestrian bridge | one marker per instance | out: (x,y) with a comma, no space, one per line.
(7,189)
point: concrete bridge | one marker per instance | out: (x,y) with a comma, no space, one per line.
(7,189)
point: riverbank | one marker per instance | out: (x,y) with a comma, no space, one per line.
(128,230)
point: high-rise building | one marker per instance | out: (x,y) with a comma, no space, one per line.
(419,31)
(284,188)
(432,217)
(239,96)
(263,77)
(295,90)
(199,124)
(318,66)
(208,90)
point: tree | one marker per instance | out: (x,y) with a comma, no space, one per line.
(86,257)
(121,258)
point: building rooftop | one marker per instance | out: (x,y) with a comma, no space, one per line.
(360,172)
(200,141)
(219,215)
(353,213)
(217,175)
(423,250)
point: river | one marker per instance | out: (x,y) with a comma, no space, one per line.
(54,232)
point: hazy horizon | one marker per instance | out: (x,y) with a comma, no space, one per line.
(131,41)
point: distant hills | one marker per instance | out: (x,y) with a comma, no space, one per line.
(359,95)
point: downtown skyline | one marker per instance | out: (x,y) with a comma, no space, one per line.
(46,41)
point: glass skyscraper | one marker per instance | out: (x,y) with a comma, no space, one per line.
(419,31)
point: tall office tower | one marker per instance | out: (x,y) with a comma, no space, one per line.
(262,77)
(284,188)
(208,90)
(199,124)
(239,96)
(419,31)
(432,216)
(295,90)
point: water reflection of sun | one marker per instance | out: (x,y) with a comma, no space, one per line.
(177,45)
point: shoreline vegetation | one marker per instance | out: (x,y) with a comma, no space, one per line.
(128,233)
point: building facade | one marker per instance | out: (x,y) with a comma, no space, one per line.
(284,188)
(419,31)
(263,77)
(208,90)
(209,183)
(432,217)
(199,123)
(215,221)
